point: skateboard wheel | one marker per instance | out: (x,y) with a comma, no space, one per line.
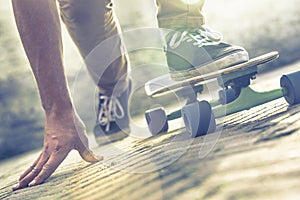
(198,118)
(291,84)
(157,121)
(226,96)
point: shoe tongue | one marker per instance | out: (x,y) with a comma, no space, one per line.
(180,30)
(187,29)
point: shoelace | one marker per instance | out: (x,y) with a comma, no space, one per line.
(201,37)
(109,111)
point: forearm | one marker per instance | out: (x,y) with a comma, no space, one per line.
(39,28)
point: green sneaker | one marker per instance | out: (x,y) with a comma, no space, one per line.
(194,52)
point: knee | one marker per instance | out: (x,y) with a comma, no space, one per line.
(72,11)
(82,11)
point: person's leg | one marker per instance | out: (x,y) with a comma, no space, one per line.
(193,48)
(92,23)
(179,13)
(89,23)
(39,28)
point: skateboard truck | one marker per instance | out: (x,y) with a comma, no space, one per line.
(246,97)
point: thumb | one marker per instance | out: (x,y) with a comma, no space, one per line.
(89,156)
(85,152)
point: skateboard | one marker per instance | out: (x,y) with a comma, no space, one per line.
(235,95)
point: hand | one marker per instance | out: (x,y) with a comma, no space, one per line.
(62,134)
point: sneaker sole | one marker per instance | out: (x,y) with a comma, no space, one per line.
(111,138)
(220,63)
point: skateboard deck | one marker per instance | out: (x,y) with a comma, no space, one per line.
(164,84)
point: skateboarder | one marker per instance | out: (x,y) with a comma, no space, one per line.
(90,22)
